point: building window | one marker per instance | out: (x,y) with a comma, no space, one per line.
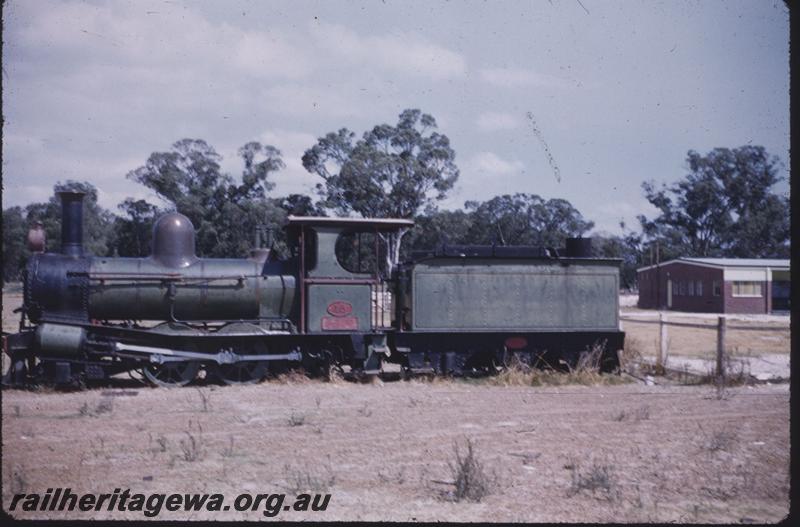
(698,288)
(681,288)
(717,288)
(691,288)
(746,288)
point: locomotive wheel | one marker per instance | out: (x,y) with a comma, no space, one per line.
(171,374)
(242,372)
(246,371)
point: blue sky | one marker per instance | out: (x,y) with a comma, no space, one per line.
(619,91)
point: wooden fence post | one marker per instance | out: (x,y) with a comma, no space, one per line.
(721,347)
(663,345)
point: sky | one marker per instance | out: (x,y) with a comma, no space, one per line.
(581,100)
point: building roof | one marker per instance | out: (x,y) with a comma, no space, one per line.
(721,263)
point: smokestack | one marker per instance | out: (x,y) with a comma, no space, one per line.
(71,223)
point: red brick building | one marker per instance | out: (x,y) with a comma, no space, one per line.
(716,285)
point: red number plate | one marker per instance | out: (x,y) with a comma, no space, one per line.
(339,323)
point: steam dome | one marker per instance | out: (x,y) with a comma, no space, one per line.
(173,240)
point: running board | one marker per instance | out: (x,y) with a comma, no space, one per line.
(162,355)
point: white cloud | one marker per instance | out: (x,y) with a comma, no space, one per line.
(260,55)
(407,53)
(492,164)
(518,77)
(130,35)
(495,121)
(293,179)
(307,100)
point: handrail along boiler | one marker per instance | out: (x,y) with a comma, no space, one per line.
(455,309)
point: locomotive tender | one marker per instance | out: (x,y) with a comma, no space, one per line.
(453,310)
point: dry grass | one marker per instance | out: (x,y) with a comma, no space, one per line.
(318,478)
(585,372)
(471,480)
(593,477)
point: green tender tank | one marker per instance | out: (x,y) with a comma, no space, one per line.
(454,294)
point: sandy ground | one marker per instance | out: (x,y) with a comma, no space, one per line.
(659,453)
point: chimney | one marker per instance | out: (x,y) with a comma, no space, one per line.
(71,223)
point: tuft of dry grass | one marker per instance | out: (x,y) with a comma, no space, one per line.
(294,376)
(470,478)
(593,477)
(585,372)
(296,419)
(631,354)
(191,447)
(315,479)
(641,413)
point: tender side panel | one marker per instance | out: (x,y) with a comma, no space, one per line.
(477,295)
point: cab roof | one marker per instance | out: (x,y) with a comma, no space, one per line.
(378,223)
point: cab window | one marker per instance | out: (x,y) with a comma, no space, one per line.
(355,251)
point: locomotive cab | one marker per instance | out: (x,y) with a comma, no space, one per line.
(342,275)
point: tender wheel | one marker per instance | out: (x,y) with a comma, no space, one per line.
(171,374)
(242,372)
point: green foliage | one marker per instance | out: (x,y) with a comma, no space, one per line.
(393,171)
(525,219)
(224,212)
(300,205)
(98,234)
(628,247)
(438,227)
(98,227)
(723,207)
(134,229)
(15,253)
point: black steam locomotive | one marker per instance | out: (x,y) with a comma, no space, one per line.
(453,310)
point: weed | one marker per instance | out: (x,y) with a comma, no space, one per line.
(365,411)
(294,376)
(309,479)
(205,397)
(191,447)
(19,484)
(596,477)
(228,450)
(397,478)
(17,412)
(721,440)
(470,479)
(631,354)
(104,406)
(162,443)
(638,414)
(297,419)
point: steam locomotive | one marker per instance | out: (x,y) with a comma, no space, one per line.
(173,315)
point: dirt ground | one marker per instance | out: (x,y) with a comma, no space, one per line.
(575,453)
(384,451)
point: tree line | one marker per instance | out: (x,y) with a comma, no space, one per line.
(724,206)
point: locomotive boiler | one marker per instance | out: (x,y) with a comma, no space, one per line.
(174,316)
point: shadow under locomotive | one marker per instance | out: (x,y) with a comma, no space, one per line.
(336,301)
